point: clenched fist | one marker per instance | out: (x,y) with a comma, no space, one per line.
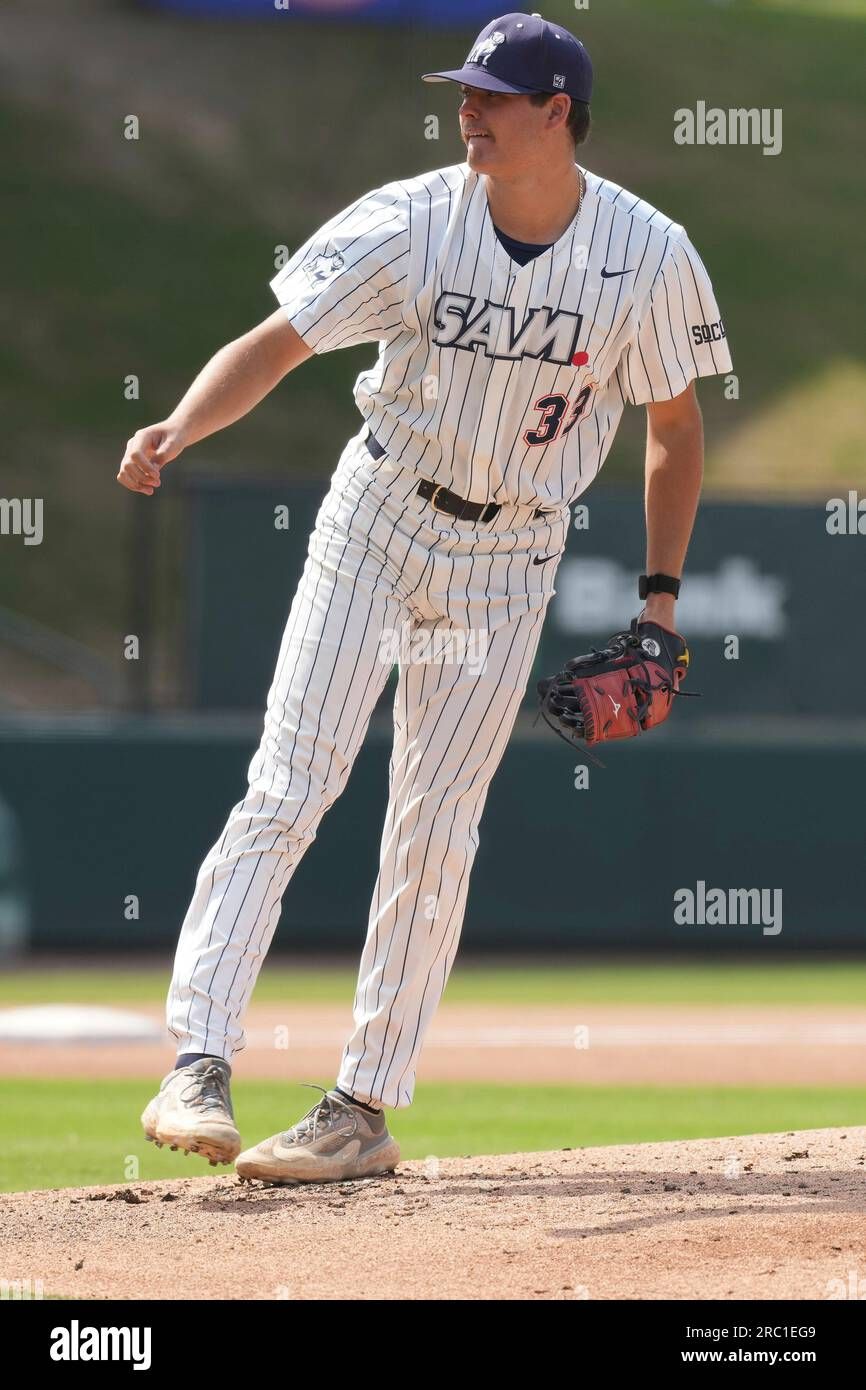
(146,453)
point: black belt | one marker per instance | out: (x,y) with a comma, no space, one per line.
(441,498)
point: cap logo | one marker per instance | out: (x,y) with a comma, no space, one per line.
(485,47)
(559,79)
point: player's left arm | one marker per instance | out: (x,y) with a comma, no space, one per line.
(674,471)
(628,686)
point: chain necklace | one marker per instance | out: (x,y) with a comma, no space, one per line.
(581,190)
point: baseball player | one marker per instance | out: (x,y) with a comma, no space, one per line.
(517,302)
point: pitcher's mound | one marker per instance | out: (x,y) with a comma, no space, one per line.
(761,1217)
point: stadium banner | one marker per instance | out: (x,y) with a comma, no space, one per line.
(427,12)
(760,587)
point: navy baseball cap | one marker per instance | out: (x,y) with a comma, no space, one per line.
(524,53)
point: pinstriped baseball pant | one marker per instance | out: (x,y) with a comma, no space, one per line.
(460,606)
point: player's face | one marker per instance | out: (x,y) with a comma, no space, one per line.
(500,131)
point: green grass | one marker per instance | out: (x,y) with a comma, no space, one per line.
(592,982)
(78,1133)
(822,9)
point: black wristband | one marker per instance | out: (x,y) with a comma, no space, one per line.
(657,584)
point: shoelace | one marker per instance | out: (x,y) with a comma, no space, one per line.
(324,1110)
(208,1090)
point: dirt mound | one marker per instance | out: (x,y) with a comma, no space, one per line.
(759,1216)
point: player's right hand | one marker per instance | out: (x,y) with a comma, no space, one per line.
(147,452)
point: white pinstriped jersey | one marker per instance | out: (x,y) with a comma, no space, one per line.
(505,383)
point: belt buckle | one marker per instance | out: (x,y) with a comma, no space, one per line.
(436,491)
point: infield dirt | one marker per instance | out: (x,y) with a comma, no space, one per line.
(764,1216)
(599,1044)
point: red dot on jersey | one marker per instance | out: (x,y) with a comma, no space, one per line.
(580,359)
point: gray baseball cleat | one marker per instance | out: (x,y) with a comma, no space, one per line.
(333,1142)
(193,1112)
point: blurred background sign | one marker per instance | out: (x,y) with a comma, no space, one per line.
(441,12)
(14,914)
(758,587)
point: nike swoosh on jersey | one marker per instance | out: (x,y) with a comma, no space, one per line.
(543,559)
(609,274)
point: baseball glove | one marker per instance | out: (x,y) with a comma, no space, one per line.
(620,691)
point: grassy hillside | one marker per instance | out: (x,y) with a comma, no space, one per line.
(141,257)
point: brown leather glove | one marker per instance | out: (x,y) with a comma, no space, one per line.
(620,691)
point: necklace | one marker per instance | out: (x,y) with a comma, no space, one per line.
(581,190)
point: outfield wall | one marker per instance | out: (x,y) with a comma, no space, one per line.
(110,812)
(763,584)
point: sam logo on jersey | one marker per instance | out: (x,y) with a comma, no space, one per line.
(461,321)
